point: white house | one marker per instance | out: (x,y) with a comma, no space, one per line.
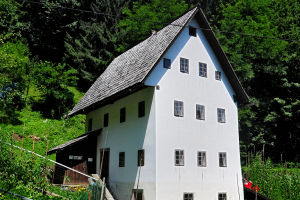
(168,110)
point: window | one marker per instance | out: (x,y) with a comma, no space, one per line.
(105,121)
(121,159)
(203,69)
(192,31)
(184,65)
(201,159)
(200,112)
(167,63)
(218,75)
(179,157)
(222,196)
(221,115)
(141,109)
(122,115)
(178,108)
(188,196)
(141,157)
(90,124)
(137,194)
(222,159)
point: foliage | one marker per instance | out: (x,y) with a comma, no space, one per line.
(14,64)
(144,17)
(52,81)
(267,68)
(276,183)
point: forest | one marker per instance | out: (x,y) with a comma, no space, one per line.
(51,51)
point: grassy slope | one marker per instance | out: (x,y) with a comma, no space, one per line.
(53,132)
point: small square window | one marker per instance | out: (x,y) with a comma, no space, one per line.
(218,75)
(201,157)
(188,196)
(141,109)
(179,157)
(167,63)
(178,108)
(121,159)
(184,65)
(122,115)
(222,196)
(192,31)
(90,124)
(222,159)
(203,69)
(200,112)
(221,115)
(141,157)
(137,194)
(105,121)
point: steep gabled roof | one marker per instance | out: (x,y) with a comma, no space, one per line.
(129,70)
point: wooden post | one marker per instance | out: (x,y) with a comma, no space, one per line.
(102,189)
(47,148)
(33,137)
(22,141)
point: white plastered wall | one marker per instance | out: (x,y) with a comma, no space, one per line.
(190,134)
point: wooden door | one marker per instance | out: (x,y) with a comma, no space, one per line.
(75,178)
(105,164)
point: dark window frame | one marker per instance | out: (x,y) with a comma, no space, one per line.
(192,31)
(184,65)
(141,158)
(122,115)
(222,159)
(179,157)
(200,112)
(218,75)
(105,120)
(188,196)
(178,108)
(203,69)
(201,159)
(221,115)
(90,124)
(167,63)
(122,159)
(222,196)
(141,109)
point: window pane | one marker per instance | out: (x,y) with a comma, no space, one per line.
(188,196)
(90,124)
(179,157)
(202,159)
(122,115)
(200,112)
(167,63)
(203,69)
(121,159)
(222,196)
(222,159)
(141,157)
(221,115)
(141,109)
(192,31)
(105,122)
(218,75)
(184,65)
(178,108)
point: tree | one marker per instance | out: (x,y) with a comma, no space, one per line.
(264,66)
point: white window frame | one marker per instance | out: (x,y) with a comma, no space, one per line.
(222,159)
(203,69)
(200,112)
(201,158)
(184,65)
(178,108)
(179,157)
(221,115)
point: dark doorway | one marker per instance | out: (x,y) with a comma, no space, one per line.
(104,159)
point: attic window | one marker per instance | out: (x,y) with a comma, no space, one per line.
(192,31)
(141,109)
(184,65)
(122,115)
(167,63)
(105,121)
(90,124)
(218,75)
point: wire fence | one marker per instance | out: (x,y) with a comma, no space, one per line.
(48,176)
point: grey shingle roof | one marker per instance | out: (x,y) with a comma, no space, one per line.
(133,66)
(73,141)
